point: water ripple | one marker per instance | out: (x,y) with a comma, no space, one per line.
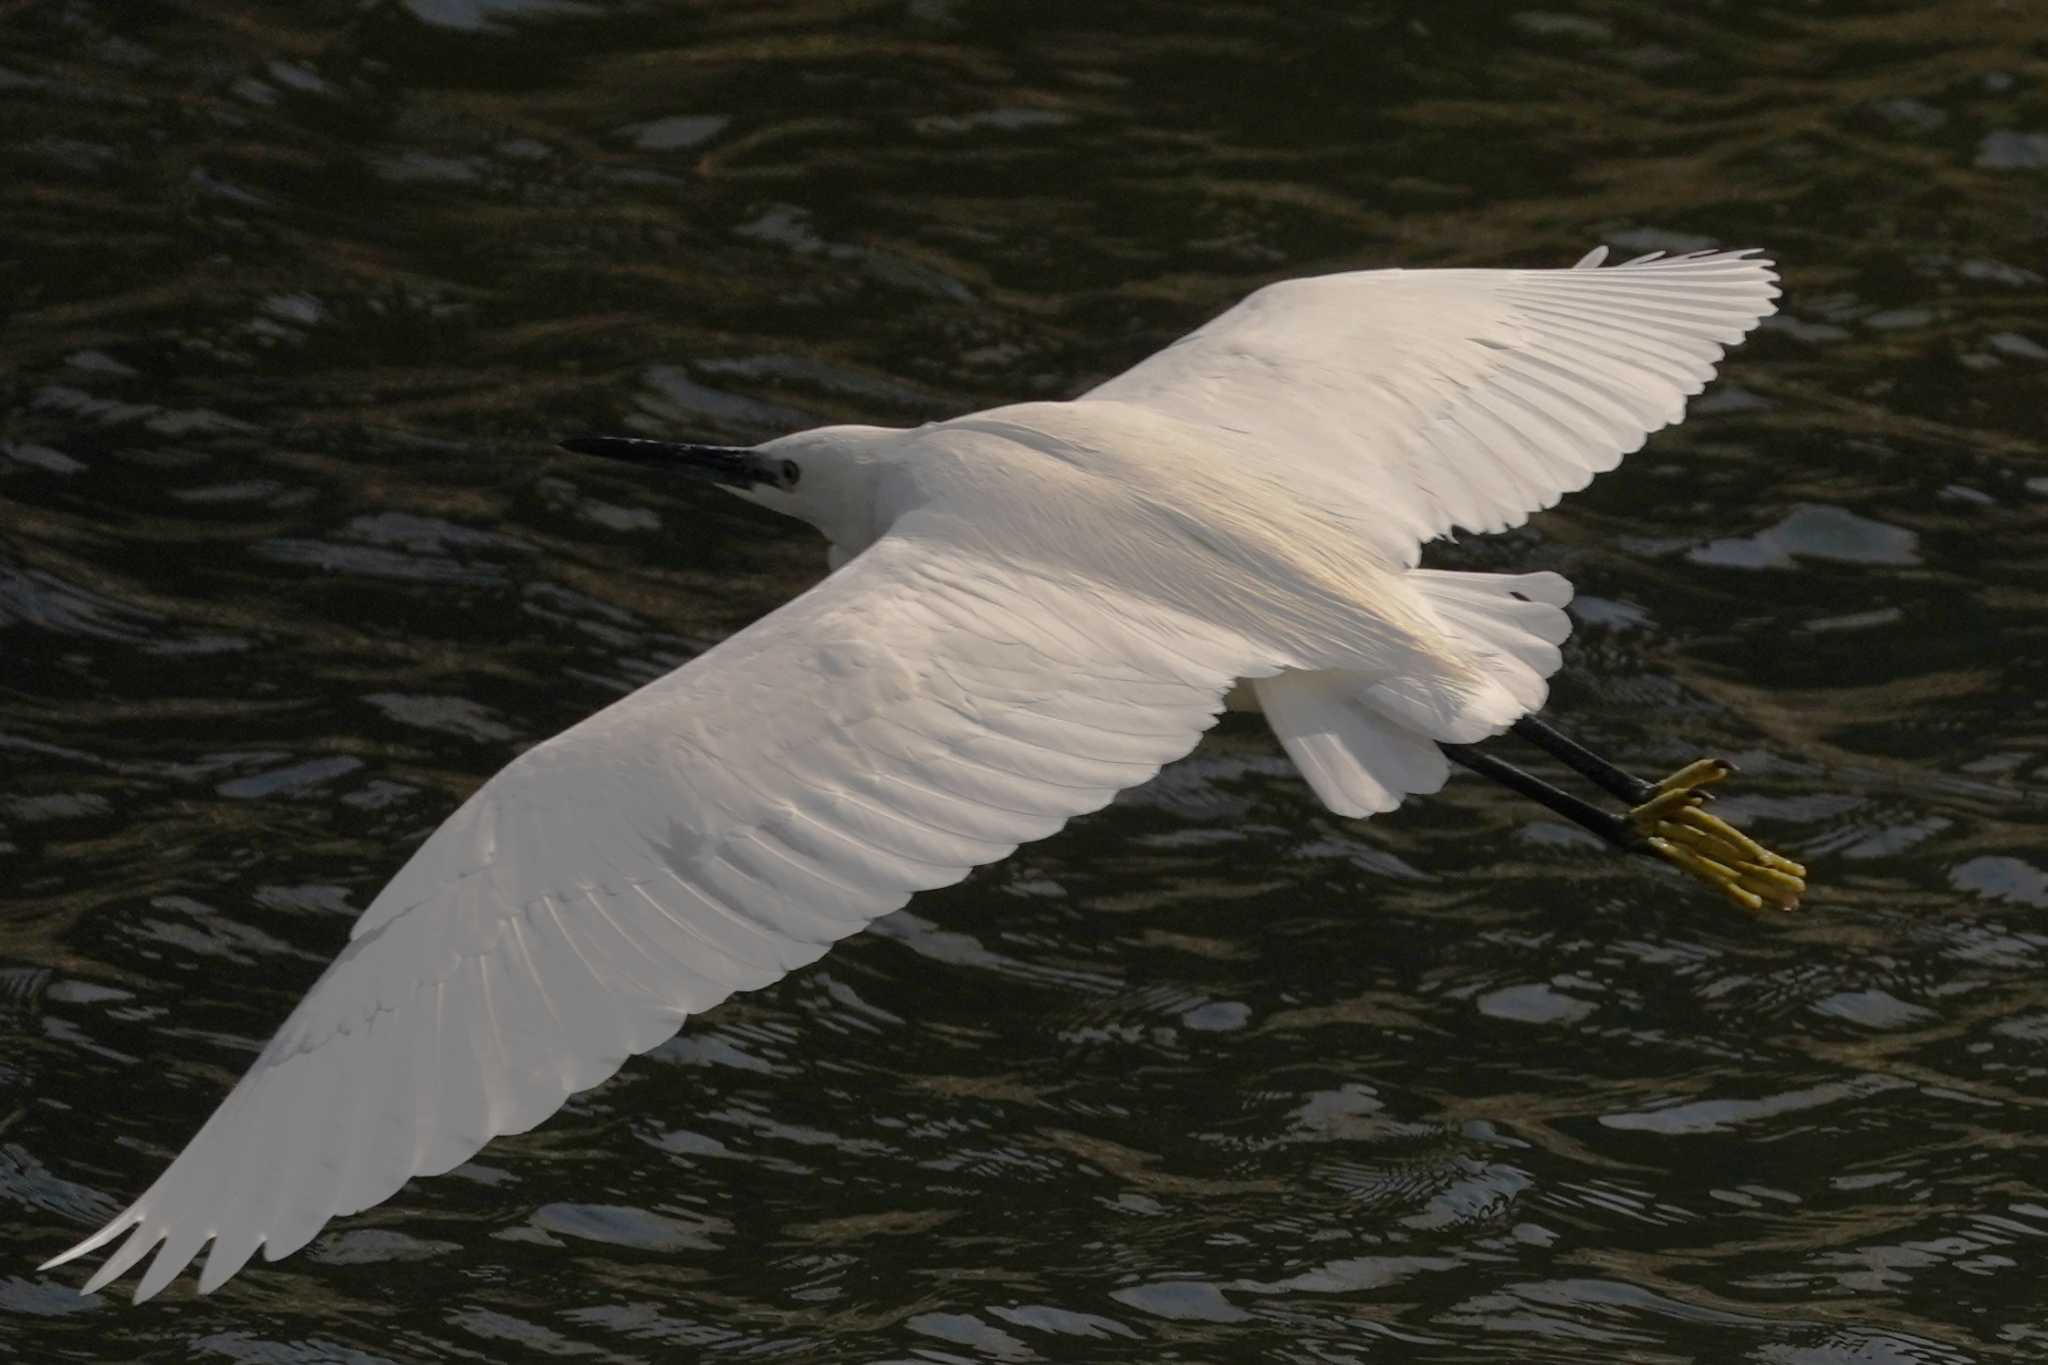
(288,563)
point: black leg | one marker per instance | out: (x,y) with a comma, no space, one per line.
(1612,828)
(1665,818)
(1584,761)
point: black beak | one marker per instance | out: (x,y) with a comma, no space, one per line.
(733,466)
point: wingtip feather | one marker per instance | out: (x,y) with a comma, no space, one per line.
(173,1255)
(114,1228)
(230,1252)
(138,1245)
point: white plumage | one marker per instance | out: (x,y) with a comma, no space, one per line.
(1039,606)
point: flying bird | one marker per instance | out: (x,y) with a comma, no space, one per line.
(1030,609)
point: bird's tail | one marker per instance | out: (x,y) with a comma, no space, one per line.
(1364,743)
(1513,624)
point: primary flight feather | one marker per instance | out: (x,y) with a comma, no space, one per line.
(1032,608)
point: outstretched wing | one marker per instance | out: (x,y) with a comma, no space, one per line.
(1464,399)
(915,715)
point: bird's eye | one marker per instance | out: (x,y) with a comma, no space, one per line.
(790,475)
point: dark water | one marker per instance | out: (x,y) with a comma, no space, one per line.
(296,298)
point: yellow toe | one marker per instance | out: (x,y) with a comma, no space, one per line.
(1701,772)
(1721,877)
(1709,849)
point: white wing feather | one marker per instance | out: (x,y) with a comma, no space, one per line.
(1458,399)
(917,714)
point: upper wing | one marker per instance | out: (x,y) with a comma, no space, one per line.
(1458,398)
(917,714)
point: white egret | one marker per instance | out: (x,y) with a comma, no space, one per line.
(1032,608)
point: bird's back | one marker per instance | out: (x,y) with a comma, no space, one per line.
(1167,509)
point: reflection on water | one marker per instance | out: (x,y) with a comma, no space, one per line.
(298,298)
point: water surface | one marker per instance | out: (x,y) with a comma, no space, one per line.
(299,296)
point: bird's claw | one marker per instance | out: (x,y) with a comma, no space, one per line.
(1673,825)
(1701,772)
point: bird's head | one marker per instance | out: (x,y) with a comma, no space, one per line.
(826,476)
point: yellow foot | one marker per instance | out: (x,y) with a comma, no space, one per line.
(1709,848)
